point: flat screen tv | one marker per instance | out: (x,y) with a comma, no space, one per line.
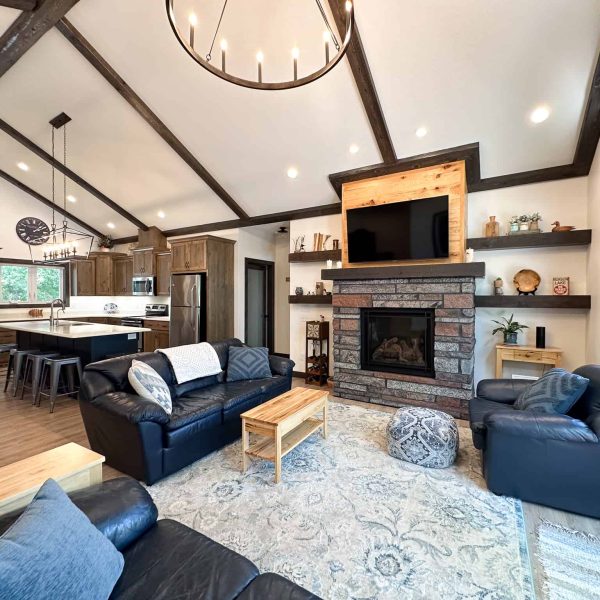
(411,230)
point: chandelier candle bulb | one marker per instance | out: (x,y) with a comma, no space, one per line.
(326,38)
(295,56)
(223,53)
(193,19)
(259,59)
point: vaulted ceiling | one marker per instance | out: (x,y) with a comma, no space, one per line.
(468,71)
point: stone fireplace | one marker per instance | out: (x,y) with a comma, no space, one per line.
(405,335)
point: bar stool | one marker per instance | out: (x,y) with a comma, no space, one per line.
(33,371)
(51,373)
(6,348)
(16,361)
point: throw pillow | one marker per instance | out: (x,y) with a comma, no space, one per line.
(53,551)
(148,384)
(555,392)
(248,363)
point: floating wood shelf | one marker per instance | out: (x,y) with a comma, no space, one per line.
(584,302)
(312,299)
(475,269)
(582,237)
(321,256)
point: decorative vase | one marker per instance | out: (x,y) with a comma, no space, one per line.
(514,227)
(299,291)
(104,249)
(492,228)
(498,287)
(524,226)
(534,226)
(469,255)
(511,338)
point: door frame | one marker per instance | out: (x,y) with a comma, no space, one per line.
(269,294)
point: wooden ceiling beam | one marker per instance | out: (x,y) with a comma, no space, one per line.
(80,181)
(28,28)
(49,203)
(121,86)
(364,82)
(27,5)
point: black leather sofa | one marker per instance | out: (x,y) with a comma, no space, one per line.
(137,436)
(165,559)
(546,459)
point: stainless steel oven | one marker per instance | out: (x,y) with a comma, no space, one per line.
(143,286)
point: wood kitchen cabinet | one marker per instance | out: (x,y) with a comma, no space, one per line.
(83,277)
(188,255)
(144,264)
(163,274)
(122,276)
(104,275)
(158,337)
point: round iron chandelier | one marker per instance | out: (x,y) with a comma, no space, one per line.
(333,49)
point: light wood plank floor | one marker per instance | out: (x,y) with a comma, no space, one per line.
(26,430)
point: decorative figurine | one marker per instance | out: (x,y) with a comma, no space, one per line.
(560,286)
(492,228)
(559,227)
(299,291)
(469,255)
(498,286)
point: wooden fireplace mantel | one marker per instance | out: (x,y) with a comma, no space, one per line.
(474,269)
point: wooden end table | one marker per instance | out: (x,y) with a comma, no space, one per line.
(72,466)
(282,424)
(528,354)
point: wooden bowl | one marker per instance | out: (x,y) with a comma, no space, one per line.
(527,281)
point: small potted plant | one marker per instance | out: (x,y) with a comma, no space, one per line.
(514,224)
(524,223)
(534,224)
(105,243)
(510,329)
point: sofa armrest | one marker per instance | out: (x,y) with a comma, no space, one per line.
(281,366)
(505,391)
(120,508)
(133,408)
(531,425)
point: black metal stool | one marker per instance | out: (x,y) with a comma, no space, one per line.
(5,349)
(33,371)
(51,373)
(16,361)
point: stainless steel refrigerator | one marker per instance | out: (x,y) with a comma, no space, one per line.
(188,309)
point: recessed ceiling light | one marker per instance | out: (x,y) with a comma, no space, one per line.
(110,225)
(71,198)
(539,114)
(421,132)
(292,172)
(161,214)
(23,166)
(354,149)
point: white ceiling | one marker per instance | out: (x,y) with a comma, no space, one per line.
(468,71)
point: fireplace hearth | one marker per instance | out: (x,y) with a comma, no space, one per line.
(398,340)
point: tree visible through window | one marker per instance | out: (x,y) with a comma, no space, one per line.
(29,284)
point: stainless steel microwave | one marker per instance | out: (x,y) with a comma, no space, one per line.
(143,286)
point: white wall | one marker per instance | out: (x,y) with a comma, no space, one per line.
(282,290)
(593,332)
(306,275)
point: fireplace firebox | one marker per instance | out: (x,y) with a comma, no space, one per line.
(398,340)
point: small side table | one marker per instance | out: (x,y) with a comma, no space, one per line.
(527,354)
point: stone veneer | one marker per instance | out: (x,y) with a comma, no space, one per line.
(454,341)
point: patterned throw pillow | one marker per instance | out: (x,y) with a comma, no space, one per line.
(555,392)
(248,363)
(148,384)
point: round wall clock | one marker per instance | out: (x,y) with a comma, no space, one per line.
(33,231)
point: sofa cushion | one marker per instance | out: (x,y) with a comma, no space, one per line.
(248,363)
(555,392)
(222,350)
(53,551)
(479,407)
(271,585)
(192,408)
(174,561)
(148,384)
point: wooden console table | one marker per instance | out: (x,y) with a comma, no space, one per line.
(528,354)
(72,466)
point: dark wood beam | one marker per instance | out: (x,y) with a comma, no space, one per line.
(48,203)
(80,181)
(524,178)
(469,153)
(19,4)
(119,84)
(365,84)
(290,215)
(590,127)
(28,28)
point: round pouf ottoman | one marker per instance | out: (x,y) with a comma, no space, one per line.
(423,437)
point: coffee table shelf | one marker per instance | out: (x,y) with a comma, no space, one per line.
(265,448)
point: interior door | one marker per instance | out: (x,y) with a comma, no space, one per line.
(260,300)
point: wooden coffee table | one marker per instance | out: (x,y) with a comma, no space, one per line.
(282,424)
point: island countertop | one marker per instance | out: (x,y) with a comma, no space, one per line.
(70,329)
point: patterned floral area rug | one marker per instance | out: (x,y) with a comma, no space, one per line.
(349,521)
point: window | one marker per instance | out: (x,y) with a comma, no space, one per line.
(30,284)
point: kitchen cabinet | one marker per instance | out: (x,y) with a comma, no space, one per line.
(122,276)
(144,264)
(83,277)
(188,255)
(158,337)
(163,274)
(104,275)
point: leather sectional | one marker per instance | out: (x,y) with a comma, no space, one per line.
(137,436)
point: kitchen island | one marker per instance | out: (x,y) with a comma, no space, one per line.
(90,341)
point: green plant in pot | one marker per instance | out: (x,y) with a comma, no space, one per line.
(105,243)
(509,328)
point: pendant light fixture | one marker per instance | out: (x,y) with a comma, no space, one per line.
(334,49)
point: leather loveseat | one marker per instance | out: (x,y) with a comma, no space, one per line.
(547,459)
(165,559)
(137,436)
